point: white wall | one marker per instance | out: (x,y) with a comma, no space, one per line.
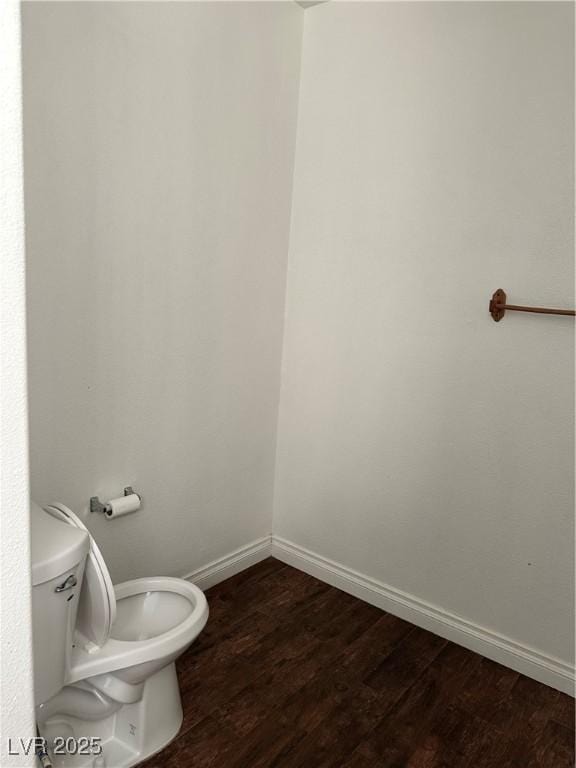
(420,443)
(159,145)
(16,694)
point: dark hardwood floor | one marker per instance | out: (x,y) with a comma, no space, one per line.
(292,673)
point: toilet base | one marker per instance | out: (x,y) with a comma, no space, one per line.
(129,736)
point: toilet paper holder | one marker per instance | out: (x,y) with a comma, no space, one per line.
(97,506)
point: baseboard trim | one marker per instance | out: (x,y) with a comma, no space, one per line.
(523,659)
(231,564)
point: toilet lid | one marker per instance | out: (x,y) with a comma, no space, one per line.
(97,606)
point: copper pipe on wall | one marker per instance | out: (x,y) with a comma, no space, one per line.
(498,307)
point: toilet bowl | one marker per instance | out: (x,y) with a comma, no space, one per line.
(119,683)
(156,620)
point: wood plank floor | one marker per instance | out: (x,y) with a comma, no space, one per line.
(292,673)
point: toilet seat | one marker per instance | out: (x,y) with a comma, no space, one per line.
(97,605)
(158,618)
(163,645)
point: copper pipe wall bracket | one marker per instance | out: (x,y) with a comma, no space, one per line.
(498,307)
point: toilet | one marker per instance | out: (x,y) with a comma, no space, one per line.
(106,690)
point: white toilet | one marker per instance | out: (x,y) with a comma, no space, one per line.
(104,655)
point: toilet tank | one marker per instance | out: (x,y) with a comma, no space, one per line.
(58,558)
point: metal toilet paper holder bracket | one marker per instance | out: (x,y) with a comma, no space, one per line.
(97,506)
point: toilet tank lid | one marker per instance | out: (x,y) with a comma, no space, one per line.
(56,547)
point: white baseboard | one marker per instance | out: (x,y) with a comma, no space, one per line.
(528,661)
(523,659)
(229,565)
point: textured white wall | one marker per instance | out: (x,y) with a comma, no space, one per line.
(16,696)
(420,443)
(159,144)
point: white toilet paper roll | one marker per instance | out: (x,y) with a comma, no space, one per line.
(123,505)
